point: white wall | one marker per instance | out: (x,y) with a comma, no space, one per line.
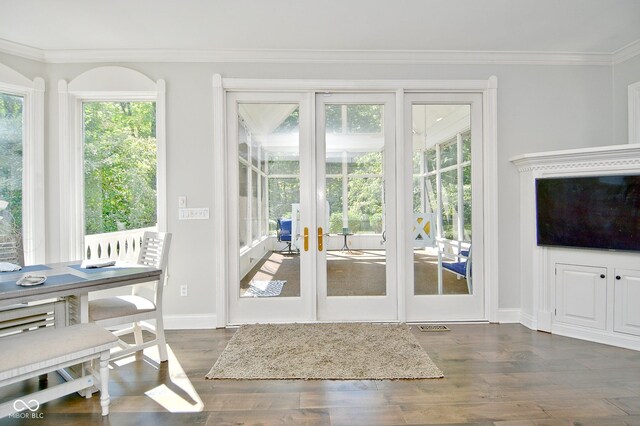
(539,108)
(624,74)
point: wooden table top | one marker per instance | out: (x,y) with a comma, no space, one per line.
(68,278)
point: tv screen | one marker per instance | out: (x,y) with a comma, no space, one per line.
(600,212)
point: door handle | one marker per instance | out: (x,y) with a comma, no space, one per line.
(320,235)
(306,238)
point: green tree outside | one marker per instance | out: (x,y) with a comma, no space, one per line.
(120,157)
(11,131)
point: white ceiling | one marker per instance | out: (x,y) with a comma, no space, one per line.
(579,26)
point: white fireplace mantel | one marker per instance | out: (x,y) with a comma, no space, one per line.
(537,263)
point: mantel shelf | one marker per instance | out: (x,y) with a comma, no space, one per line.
(603,156)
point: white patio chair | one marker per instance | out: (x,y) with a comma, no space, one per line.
(11,250)
(144,303)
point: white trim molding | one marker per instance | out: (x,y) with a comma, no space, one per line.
(190,322)
(108,83)
(326,56)
(33,207)
(220,194)
(509,316)
(629,51)
(634,112)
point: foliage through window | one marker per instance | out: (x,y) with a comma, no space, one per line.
(11,163)
(120,162)
(440,182)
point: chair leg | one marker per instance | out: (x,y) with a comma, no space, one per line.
(104,383)
(137,333)
(162,343)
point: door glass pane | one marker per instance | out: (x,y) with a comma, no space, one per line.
(120,157)
(244,204)
(255,219)
(449,206)
(334,197)
(442,227)
(356,259)
(269,196)
(11,122)
(448,154)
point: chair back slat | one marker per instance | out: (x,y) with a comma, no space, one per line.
(154,249)
(154,252)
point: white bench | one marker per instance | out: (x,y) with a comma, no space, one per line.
(34,353)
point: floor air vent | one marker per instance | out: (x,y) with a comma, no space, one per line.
(433,327)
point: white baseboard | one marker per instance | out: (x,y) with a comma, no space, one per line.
(508,316)
(600,336)
(190,321)
(527,321)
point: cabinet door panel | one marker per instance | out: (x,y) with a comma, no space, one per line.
(627,301)
(581,295)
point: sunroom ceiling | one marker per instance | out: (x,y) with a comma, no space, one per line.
(431,124)
(585,26)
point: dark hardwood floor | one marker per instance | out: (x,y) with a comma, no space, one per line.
(494,374)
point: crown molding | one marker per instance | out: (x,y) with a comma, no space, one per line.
(610,155)
(304,56)
(631,50)
(21,50)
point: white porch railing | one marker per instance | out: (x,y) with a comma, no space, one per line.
(121,245)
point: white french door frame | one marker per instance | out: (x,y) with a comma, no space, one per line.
(277,309)
(487,88)
(360,308)
(450,307)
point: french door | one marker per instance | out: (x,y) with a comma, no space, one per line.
(355,180)
(331,219)
(271,274)
(443,199)
(311,214)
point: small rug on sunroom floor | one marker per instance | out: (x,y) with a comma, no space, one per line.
(334,351)
(264,288)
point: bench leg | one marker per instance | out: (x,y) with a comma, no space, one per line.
(104,382)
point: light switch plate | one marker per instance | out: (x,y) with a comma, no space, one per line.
(193,213)
(182,202)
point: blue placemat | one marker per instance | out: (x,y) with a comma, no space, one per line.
(30,268)
(61,279)
(94,270)
(33,268)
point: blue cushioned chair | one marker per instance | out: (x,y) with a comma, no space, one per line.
(284,234)
(463,268)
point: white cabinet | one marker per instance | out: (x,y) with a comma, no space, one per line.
(627,301)
(571,302)
(581,295)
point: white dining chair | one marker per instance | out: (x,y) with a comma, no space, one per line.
(143,304)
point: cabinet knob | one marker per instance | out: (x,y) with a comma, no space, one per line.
(618,277)
(601,275)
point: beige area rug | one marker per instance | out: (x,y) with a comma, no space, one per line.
(353,351)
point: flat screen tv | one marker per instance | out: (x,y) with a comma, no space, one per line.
(600,212)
